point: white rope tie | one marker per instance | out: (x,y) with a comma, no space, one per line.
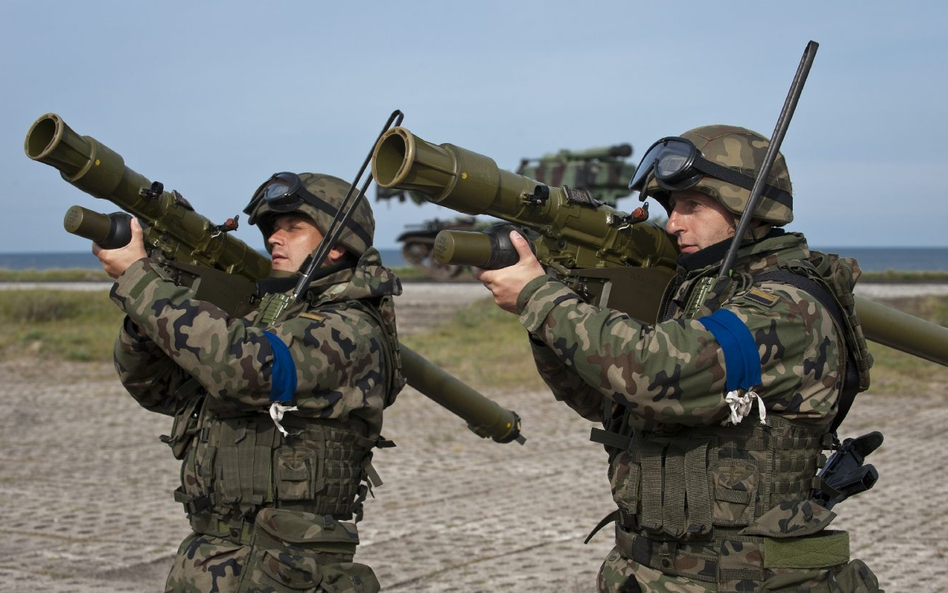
(741,406)
(277,410)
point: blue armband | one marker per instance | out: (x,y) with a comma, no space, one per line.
(741,360)
(283,376)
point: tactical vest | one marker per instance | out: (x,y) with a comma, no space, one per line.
(238,465)
(725,505)
(684,498)
(235,465)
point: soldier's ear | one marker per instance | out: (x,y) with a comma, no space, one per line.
(337,254)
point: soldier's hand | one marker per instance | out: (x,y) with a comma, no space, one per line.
(506,283)
(116,261)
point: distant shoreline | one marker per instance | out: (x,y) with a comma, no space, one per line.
(869,290)
(871,259)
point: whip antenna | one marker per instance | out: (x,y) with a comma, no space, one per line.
(783,122)
(344,214)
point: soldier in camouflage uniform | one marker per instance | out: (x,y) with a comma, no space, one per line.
(275,419)
(715,417)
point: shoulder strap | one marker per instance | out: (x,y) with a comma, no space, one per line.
(851,380)
(390,353)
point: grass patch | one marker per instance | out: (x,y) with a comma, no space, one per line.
(66,275)
(897,372)
(406,272)
(58,325)
(483,346)
(902,277)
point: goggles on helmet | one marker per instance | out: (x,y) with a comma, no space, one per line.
(283,192)
(676,164)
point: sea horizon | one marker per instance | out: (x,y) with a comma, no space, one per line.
(871,259)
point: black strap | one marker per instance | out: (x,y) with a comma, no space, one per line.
(610,439)
(733,177)
(851,379)
(610,518)
(192,504)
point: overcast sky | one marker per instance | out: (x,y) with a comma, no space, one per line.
(212,97)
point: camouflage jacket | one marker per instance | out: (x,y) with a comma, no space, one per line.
(673,373)
(215,373)
(337,348)
(709,497)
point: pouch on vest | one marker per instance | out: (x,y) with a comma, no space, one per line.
(185,425)
(855,577)
(243,461)
(297,551)
(294,473)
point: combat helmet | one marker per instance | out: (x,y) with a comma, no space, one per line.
(317,196)
(725,166)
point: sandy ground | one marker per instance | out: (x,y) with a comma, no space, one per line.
(85,487)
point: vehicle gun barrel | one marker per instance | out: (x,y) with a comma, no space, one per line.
(605,152)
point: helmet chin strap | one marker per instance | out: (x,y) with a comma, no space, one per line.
(753,232)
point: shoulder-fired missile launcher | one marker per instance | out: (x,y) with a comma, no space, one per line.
(199,254)
(602,172)
(609,257)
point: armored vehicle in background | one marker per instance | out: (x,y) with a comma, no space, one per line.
(418,245)
(603,172)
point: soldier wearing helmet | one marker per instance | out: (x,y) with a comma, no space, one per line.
(275,415)
(716,416)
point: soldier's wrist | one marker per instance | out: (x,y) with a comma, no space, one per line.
(135,332)
(529,290)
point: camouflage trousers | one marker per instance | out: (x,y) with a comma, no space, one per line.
(207,564)
(619,574)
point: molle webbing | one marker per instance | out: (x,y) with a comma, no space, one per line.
(336,459)
(712,476)
(245,452)
(319,468)
(674,472)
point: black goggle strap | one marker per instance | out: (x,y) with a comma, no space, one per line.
(302,195)
(329,209)
(734,178)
